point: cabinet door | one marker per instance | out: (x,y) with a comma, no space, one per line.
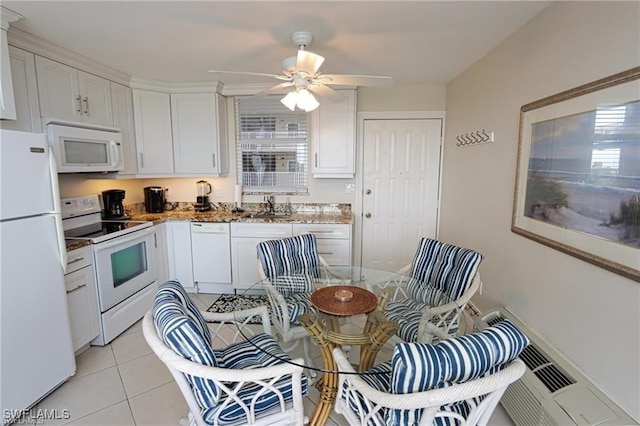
(25,90)
(152,118)
(195,133)
(58,90)
(7,104)
(122,102)
(83,306)
(162,255)
(96,99)
(333,136)
(180,264)
(244,261)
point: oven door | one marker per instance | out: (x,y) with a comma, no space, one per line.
(124,266)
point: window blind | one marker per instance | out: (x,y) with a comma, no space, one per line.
(272,145)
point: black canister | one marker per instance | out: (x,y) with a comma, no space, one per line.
(154,199)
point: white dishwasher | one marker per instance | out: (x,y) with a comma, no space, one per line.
(211,252)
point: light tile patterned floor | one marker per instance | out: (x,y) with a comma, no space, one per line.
(123,383)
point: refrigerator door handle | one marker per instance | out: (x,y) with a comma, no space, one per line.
(57,209)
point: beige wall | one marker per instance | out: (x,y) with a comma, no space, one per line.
(426,97)
(590,314)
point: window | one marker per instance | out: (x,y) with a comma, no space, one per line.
(272,145)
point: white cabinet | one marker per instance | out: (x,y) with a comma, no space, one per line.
(152,112)
(25,90)
(7,102)
(244,253)
(179,260)
(199,128)
(70,94)
(162,254)
(211,252)
(333,240)
(334,137)
(82,299)
(122,102)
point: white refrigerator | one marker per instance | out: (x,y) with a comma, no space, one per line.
(36,350)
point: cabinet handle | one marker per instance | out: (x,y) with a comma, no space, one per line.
(214,159)
(76,288)
(320,232)
(86,105)
(325,252)
(77,259)
(79,99)
(316,159)
(142,160)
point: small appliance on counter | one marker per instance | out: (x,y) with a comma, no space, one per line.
(202,201)
(154,199)
(112,204)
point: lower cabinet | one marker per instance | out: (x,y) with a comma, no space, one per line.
(82,298)
(333,240)
(179,260)
(245,238)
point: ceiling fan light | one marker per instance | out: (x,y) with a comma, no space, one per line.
(290,100)
(307,101)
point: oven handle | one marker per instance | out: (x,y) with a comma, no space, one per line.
(136,235)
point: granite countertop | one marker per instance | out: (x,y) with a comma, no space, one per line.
(226,216)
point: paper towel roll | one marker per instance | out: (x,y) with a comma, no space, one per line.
(237,195)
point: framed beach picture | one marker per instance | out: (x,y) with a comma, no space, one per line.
(578,175)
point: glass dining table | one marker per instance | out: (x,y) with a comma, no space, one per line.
(345,308)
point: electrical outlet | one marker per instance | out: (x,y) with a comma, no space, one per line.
(350,188)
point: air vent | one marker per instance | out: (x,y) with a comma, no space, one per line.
(552,391)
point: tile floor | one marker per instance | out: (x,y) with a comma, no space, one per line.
(123,383)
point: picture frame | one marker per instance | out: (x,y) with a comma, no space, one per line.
(577,186)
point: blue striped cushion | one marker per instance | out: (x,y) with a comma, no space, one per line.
(443,266)
(407,313)
(378,377)
(293,255)
(175,290)
(418,367)
(294,283)
(184,334)
(298,304)
(246,355)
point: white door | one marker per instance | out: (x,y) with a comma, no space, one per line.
(401,171)
(96,99)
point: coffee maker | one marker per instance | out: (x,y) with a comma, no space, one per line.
(202,200)
(154,199)
(112,204)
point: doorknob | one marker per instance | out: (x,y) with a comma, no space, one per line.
(368,215)
(368,192)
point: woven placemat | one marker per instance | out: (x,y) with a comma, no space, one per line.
(325,300)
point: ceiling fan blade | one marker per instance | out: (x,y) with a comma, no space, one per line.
(275,89)
(308,62)
(279,77)
(325,92)
(356,80)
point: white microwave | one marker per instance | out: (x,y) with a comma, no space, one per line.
(85,149)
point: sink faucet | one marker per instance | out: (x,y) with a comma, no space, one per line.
(269,199)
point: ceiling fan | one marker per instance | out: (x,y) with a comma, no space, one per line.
(302,74)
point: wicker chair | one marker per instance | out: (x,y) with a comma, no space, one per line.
(290,268)
(443,278)
(224,379)
(458,381)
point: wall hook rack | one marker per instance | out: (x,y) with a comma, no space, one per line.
(475,138)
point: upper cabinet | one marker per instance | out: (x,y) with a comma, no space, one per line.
(334,137)
(70,94)
(180,131)
(152,117)
(7,102)
(123,119)
(25,89)
(199,128)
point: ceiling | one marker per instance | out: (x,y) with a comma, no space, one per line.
(413,42)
